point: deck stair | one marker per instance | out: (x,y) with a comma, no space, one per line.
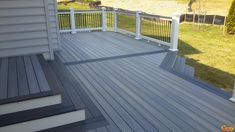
(48,107)
(175,63)
(182,68)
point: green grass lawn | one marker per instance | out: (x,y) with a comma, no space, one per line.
(210,52)
(73,5)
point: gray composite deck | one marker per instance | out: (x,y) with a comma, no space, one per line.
(21,77)
(133,92)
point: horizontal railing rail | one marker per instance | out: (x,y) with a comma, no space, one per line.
(160,29)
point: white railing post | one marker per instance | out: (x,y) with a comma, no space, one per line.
(115,19)
(138,25)
(104,17)
(72,20)
(175,32)
(233,97)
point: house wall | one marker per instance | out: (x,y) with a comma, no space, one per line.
(28,27)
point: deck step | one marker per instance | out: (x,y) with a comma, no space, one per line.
(189,71)
(30,104)
(173,62)
(47,117)
(23,85)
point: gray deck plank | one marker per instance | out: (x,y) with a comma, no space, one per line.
(12,89)
(115,104)
(111,127)
(113,112)
(148,85)
(32,80)
(127,103)
(93,130)
(43,84)
(132,88)
(132,80)
(102,129)
(22,78)
(98,101)
(3,78)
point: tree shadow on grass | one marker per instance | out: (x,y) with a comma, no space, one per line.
(206,73)
(187,49)
(211,75)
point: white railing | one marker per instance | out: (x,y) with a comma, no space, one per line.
(162,30)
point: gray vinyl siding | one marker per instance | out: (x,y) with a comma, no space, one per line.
(28,27)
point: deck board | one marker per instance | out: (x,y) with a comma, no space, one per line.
(12,79)
(22,78)
(33,83)
(42,82)
(134,92)
(3,78)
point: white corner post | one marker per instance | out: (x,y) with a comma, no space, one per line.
(138,26)
(72,20)
(233,97)
(115,19)
(175,32)
(104,17)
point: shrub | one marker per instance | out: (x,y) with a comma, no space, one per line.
(230,23)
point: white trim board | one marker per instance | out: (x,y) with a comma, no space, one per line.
(46,123)
(30,104)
